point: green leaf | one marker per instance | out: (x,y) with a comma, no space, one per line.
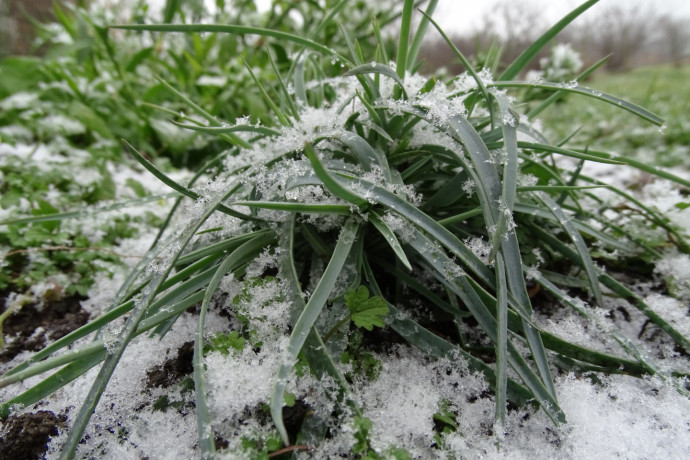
(366,311)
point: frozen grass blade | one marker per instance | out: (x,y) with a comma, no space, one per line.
(390,238)
(125,336)
(598,95)
(306,321)
(524,59)
(574,235)
(240,256)
(180,188)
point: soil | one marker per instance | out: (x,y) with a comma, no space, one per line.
(32,327)
(26,436)
(172,370)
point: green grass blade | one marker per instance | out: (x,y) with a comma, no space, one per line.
(466,63)
(180,188)
(228,129)
(534,113)
(501,345)
(390,238)
(53,383)
(598,95)
(330,182)
(526,56)
(404,38)
(419,35)
(234,29)
(304,208)
(269,100)
(377,68)
(367,155)
(125,336)
(581,247)
(307,319)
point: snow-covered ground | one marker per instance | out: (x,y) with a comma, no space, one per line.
(608,416)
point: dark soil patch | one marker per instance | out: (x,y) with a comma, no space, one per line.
(26,436)
(172,370)
(56,319)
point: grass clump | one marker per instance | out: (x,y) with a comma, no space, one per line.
(382,208)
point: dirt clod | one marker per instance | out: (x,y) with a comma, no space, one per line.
(172,370)
(26,436)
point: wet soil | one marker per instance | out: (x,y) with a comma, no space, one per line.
(32,328)
(26,436)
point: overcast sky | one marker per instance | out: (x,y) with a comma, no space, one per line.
(466,15)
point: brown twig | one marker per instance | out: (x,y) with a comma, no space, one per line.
(288,449)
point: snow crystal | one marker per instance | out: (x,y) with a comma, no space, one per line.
(675,268)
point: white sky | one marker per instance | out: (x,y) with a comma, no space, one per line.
(465,15)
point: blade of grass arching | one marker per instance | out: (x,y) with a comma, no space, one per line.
(538,147)
(521,62)
(306,321)
(20,374)
(268,99)
(410,212)
(428,342)
(468,66)
(283,88)
(234,29)
(377,68)
(180,188)
(461,287)
(419,35)
(501,346)
(580,246)
(641,166)
(368,156)
(644,363)
(650,214)
(404,38)
(125,336)
(574,176)
(53,383)
(642,306)
(304,208)
(379,40)
(320,361)
(625,105)
(228,129)
(231,138)
(12,375)
(618,289)
(330,182)
(390,238)
(488,184)
(83,354)
(558,95)
(205,434)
